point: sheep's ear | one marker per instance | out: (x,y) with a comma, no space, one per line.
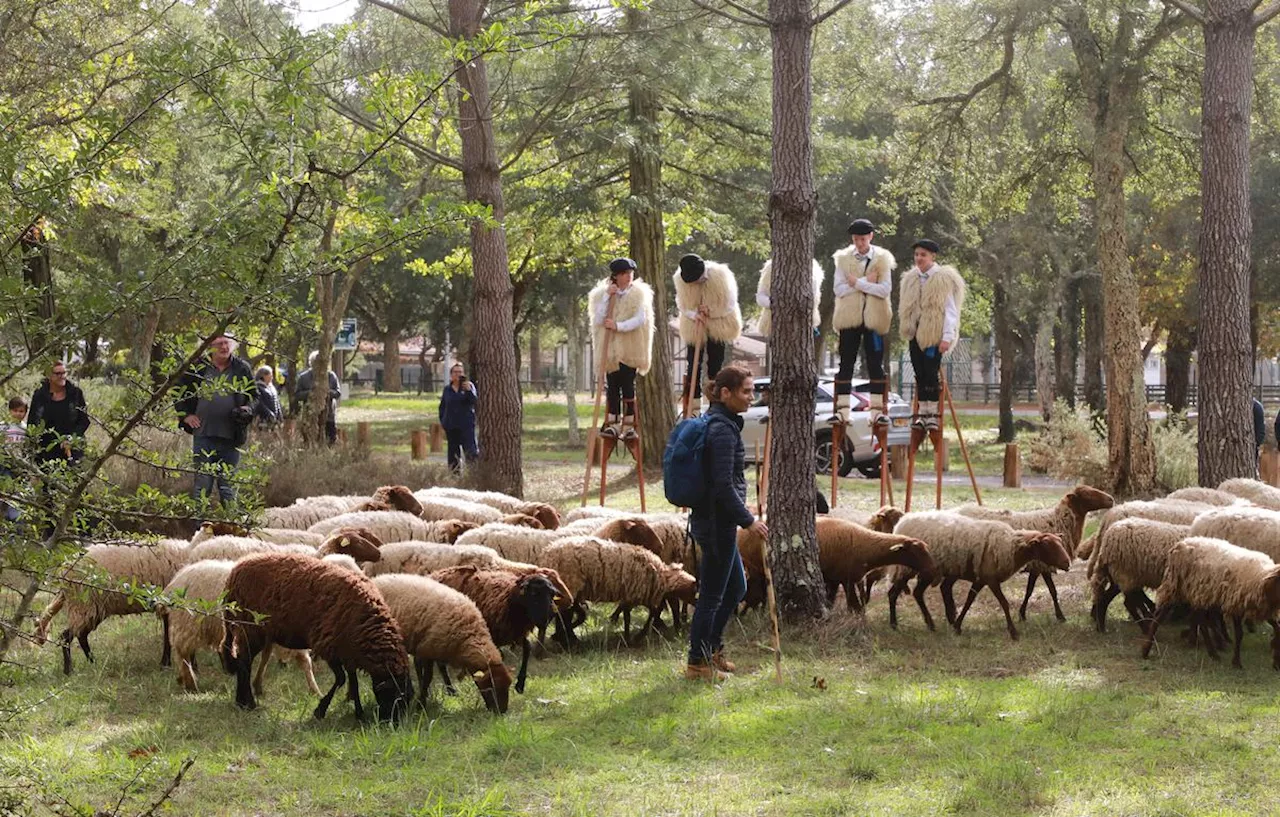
(895,548)
(478,675)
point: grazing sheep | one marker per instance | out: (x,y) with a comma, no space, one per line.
(1213,575)
(1207,496)
(425,558)
(544,513)
(513,606)
(1175,512)
(1130,557)
(882,521)
(522,520)
(980,551)
(306,512)
(1066,519)
(307,603)
(276,536)
(398,498)
(596,570)
(395,526)
(127,566)
(1244,526)
(595,512)
(1259,493)
(441,507)
(510,541)
(238,547)
(440,624)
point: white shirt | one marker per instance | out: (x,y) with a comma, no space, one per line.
(843,288)
(951,314)
(602,312)
(692,314)
(762,298)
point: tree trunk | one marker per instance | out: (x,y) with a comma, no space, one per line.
(391,380)
(648,250)
(1226,447)
(1007,346)
(1131,456)
(1177,362)
(1044,364)
(1066,343)
(535,360)
(499,411)
(1094,332)
(37,273)
(331,300)
(793,546)
(573,340)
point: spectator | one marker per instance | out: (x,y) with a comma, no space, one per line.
(458,417)
(59,415)
(302,393)
(219,400)
(14,432)
(1259,433)
(268,413)
(715,523)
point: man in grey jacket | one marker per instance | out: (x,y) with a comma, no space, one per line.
(306,384)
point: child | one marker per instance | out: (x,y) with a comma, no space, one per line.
(15,434)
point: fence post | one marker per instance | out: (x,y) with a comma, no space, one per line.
(898,461)
(362,434)
(1269,466)
(437,437)
(418,444)
(1012,466)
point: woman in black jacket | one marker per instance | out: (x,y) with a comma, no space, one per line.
(58,409)
(715,522)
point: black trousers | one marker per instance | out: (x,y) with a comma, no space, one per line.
(619,385)
(872,352)
(461,442)
(712,354)
(926,363)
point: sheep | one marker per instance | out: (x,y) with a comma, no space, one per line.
(512,606)
(1259,493)
(1066,519)
(440,507)
(305,603)
(440,624)
(1175,512)
(881,521)
(1131,556)
(306,512)
(1248,527)
(238,547)
(594,512)
(279,536)
(1214,575)
(544,513)
(980,551)
(128,566)
(398,498)
(524,544)
(395,526)
(596,570)
(522,520)
(1207,496)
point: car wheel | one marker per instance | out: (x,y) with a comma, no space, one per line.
(822,453)
(869,469)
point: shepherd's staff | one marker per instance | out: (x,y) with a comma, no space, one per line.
(770,596)
(595,413)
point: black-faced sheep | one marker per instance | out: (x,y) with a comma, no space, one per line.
(440,624)
(1213,575)
(980,551)
(1066,519)
(513,606)
(305,603)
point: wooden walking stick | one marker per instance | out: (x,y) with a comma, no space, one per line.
(639,452)
(964,450)
(595,413)
(917,437)
(695,374)
(770,596)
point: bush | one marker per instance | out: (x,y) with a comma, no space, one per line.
(1176,454)
(1069,448)
(295,472)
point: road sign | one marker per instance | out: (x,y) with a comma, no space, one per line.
(346,338)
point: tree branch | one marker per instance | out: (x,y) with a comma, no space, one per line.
(1186,8)
(1002,72)
(824,16)
(1266,15)
(748,18)
(408,15)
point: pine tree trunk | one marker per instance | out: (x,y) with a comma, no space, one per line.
(1226,447)
(391,380)
(648,250)
(1007,346)
(1044,364)
(793,546)
(1094,332)
(535,360)
(573,340)
(1066,343)
(1177,363)
(499,411)
(37,273)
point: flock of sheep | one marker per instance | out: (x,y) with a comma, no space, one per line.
(447,577)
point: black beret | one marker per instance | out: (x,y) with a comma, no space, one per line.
(621,265)
(691,268)
(861,226)
(927,244)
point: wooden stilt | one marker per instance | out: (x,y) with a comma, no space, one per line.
(607,444)
(917,437)
(770,595)
(595,412)
(837,446)
(636,447)
(964,450)
(762,487)
(882,434)
(935,437)
(694,374)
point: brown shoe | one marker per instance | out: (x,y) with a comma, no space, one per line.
(704,672)
(721,663)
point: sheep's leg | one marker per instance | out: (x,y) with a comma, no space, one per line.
(424,669)
(308,670)
(524,665)
(187,673)
(65,641)
(655,619)
(1053,594)
(241,664)
(852,597)
(1153,624)
(626,623)
(1031,585)
(263,662)
(832,589)
(1004,605)
(974,590)
(166,652)
(918,594)
(864,587)
(617,614)
(449,688)
(1237,625)
(1204,625)
(948,600)
(895,590)
(1103,603)
(83,638)
(353,692)
(339,678)
(1133,602)
(1275,643)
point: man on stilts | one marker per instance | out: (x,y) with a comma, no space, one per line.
(710,319)
(931,296)
(764,298)
(629,350)
(863,286)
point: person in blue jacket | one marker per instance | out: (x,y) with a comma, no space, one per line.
(458,417)
(715,522)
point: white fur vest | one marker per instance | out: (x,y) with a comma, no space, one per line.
(858,308)
(633,348)
(766,281)
(923,312)
(718,291)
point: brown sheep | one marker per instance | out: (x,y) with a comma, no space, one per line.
(398,498)
(523,520)
(310,604)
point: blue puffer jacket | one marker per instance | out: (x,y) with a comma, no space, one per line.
(458,409)
(724,458)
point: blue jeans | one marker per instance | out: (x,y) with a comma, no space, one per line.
(721,586)
(216,460)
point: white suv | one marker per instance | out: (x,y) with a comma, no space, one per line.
(861,450)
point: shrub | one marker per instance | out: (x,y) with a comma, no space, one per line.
(295,472)
(1069,448)
(1176,454)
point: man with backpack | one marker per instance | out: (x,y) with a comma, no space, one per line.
(704,470)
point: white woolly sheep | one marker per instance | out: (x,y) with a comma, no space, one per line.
(1130,557)
(1242,525)
(306,512)
(1207,496)
(395,526)
(1214,575)
(439,507)
(1173,511)
(544,513)
(594,512)
(1259,493)
(235,548)
(980,551)
(1066,519)
(440,624)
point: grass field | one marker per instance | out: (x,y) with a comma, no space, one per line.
(867,720)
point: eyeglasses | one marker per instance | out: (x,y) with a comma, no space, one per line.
(59,374)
